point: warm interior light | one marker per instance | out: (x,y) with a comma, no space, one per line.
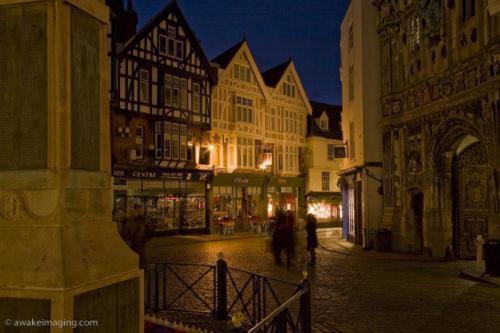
(211,147)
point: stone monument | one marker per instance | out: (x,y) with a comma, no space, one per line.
(61,257)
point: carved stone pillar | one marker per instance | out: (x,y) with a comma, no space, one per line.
(61,256)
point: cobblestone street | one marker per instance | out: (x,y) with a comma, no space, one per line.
(357,292)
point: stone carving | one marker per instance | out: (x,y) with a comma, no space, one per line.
(415,163)
(10,206)
(475,190)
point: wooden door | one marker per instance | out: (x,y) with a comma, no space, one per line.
(473,200)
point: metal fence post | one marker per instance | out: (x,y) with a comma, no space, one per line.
(305,308)
(221,288)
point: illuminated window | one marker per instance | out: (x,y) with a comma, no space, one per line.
(245,152)
(244,110)
(241,73)
(184,94)
(325,181)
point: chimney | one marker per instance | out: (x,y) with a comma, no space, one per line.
(128,24)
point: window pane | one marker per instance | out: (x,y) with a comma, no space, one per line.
(171,47)
(168,96)
(176,97)
(163,44)
(184,99)
(179,50)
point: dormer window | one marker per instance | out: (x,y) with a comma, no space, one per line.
(324,125)
(323,122)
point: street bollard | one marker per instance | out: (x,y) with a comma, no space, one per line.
(221,288)
(479,249)
(305,307)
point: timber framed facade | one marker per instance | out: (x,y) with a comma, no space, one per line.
(161,114)
(258,136)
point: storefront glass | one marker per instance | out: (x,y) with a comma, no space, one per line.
(235,202)
(285,198)
(324,210)
(169,205)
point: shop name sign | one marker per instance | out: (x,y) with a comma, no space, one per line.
(168,175)
(240,180)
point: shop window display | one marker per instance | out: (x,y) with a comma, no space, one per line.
(169,205)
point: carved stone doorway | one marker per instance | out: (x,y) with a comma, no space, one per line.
(470,173)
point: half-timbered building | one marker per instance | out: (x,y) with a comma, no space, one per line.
(258,137)
(161,112)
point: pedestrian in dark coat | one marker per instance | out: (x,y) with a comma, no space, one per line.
(280,236)
(312,238)
(290,242)
(136,232)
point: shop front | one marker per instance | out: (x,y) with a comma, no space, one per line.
(238,198)
(174,201)
(326,207)
(286,193)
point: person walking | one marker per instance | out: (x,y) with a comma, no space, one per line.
(290,241)
(136,232)
(312,238)
(280,236)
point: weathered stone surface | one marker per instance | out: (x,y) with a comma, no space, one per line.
(23,87)
(22,309)
(85,92)
(115,307)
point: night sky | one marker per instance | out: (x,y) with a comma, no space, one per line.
(307,30)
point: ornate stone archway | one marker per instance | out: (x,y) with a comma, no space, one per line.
(460,182)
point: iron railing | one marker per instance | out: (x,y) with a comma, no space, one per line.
(267,304)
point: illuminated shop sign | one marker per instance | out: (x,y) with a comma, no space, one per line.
(240,180)
(161,175)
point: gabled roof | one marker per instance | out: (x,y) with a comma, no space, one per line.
(172,7)
(225,57)
(230,55)
(334,113)
(276,75)
(273,75)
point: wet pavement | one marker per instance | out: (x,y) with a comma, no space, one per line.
(359,291)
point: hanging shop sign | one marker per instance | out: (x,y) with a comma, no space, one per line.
(161,175)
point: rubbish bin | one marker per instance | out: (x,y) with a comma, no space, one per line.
(383,240)
(492,257)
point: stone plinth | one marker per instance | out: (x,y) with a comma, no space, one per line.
(61,257)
